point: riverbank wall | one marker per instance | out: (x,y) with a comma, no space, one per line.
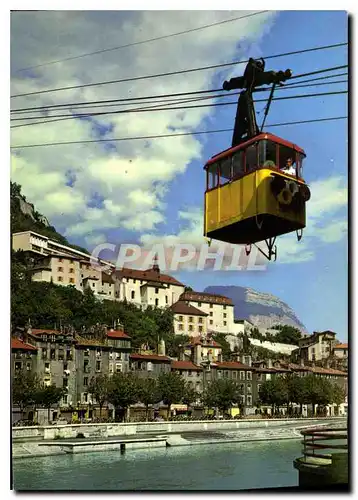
(60,440)
(138,428)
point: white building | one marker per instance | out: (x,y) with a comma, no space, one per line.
(220,310)
(189,320)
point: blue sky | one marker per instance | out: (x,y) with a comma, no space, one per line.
(87,191)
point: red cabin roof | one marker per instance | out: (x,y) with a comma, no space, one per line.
(244,145)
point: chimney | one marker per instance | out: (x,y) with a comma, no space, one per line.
(155,264)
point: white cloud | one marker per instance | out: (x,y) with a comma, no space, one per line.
(132,180)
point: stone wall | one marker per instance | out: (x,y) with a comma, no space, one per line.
(129,429)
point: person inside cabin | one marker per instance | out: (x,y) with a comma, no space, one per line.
(289,168)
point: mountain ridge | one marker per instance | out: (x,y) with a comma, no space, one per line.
(263,310)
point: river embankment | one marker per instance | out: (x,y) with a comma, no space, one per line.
(84,438)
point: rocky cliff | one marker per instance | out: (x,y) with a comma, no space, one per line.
(262,309)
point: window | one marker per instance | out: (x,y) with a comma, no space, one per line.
(248,375)
(65,400)
(190,328)
(248,388)
(65,366)
(98,366)
(200,320)
(44,353)
(71,270)
(220,374)
(191,319)
(60,269)
(47,367)
(65,383)
(28,366)
(157,302)
(199,304)
(166,299)
(258,388)
(61,354)
(118,367)
(224,315)
(69,354)
(200,328)
(238,167)
(180,318)
(248,361)
(212,177)
(224,307)
(242,375)
(225,170)
(98,352)
(211,306)
(249,400)
(190,373)
(225,323)
(157,290)
(251,158)
(211,313)
(72,280)
(60,260)
(93,285)
(226,374)
(85,397)
(86,352)
(211,321)
(59,278)
(110,367)
(180,326)
(86,366)
(53,354)
(85,381)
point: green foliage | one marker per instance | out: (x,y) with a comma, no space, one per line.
(148,392)
(123,390)
(287,334)
(99,387)
(274,392)
(220,338)
(338,394)
(222,393)
(171,388)
(174,344)
(25,387)
(189,395)
(48,396)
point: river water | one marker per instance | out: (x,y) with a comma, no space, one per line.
(234,466)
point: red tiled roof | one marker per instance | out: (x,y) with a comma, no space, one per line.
(233,365)
(147,275)
(209,343)
(117,334)
(181,307)
(206,297)
(184,365)
(341,346)
(36,331)
(19,344)
(149,357)
(326,371)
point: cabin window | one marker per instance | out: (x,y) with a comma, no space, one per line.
(238,165)
(251,158)
(267,153)
(225,170)
(286,155)
(299,163)
(212,176)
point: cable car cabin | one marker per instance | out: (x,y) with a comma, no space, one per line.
(251,195)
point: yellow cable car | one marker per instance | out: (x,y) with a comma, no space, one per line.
(255,192)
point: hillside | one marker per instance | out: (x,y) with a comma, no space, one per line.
(24,217)
(262,309)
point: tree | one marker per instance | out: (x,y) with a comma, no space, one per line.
(148,393)
(222,393)
(189,395)
(274,392)
(338,394)
(296,390)
(220,338)
(287,334)
(123,391)
(174,344)
(318,391)
(171,388)
(25,387)
(99,387)
(48,396)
